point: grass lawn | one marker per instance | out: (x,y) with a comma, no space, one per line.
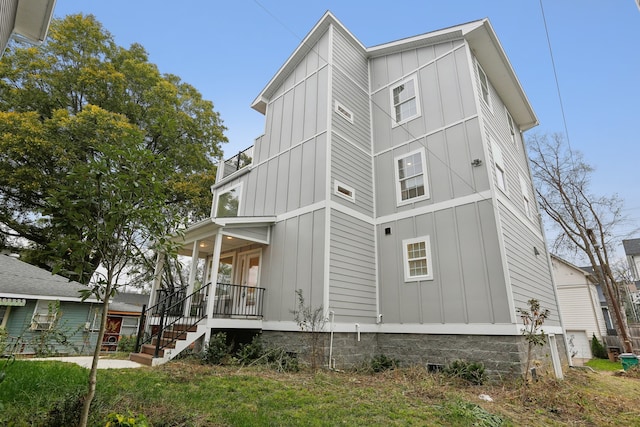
(604,365)
(184,393)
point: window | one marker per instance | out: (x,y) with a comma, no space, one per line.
(344,191)
(129,326)
(525,196)
(228,203)
(501,178)
(417,259)
(44,316)
(344,112)
(411,183)
(484,85)
(404,100)
(512,128)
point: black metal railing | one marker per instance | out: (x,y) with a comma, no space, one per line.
(238,301)
(242,159)
(170,309)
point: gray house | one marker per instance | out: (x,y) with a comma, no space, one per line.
(25,19)
(44,313)
(392,187)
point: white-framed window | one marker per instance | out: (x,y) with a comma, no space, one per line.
(512,127)
(417,259)
(484,85)
(411,177)
(343,111)
(228,202)
(525,196)
(404,100)
(129,326)
(344,191)
(498,161)
(44,315)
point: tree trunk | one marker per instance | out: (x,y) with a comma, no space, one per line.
(93,374)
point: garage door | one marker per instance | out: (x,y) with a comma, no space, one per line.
(579,344)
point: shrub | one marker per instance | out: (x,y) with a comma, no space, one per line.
(3,340)
(381,363)
(471,372)
(251,351)
(597,349)
(216,351)
(127,343)
(282,361)
(66,412)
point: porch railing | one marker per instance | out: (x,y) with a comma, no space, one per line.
(233,164)
(238,301)
(170,309)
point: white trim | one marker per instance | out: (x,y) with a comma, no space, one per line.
(242,237)
(302,211)
(245,221)
(344,191)
(416,99)
(428,257)
(326,294)
(372,159)
(511,126)
(352,213)
(217,201)
(425,178)
(343,111)
(460,201)
(50,298)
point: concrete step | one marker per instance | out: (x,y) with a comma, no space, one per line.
(150,349)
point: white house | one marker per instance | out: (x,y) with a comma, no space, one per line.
(392,187)
(579,305)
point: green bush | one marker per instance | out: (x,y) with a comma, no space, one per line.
(471,372)
(127,343)
(216,351)
(381,363)
(66,411)
(597,349)
(282,361)
(250,352)
(129,420)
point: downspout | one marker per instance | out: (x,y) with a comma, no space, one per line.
(332,363)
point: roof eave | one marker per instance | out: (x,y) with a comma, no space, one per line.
(32,19)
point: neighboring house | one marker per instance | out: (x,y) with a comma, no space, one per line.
(35,303)
(579,306)
(392,188)
(24,19)
(123,318)
(632,251)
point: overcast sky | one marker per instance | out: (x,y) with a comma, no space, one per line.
(229,50)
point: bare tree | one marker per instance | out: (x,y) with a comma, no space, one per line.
(587,223)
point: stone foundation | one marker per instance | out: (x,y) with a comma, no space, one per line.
(502,356)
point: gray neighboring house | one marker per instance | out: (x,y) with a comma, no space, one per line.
(24,19)
(26,294)
(391,187)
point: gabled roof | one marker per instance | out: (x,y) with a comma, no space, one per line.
(33,18)
(21,280)
(479,35)
(581,270)
(631,246)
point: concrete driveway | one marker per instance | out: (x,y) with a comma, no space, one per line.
(85,362)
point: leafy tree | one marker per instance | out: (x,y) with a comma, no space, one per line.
(587,222)
(533,318)
(58,100)
(110,206)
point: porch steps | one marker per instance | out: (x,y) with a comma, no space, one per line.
(185,336)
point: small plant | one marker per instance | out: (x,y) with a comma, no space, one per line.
(127,343)
(4,335)
(66,412)
(597,349)
(381,363)
(533,318)
(310,320)
(471,372)
(282,361)
(216,351)
(249,352)
(129,420)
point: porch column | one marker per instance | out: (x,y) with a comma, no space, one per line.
(195,253)
(157,279)
(215,266)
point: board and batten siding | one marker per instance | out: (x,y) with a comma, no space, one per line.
(468,281)
(294,260)
(8,9)
(352,291)
(528,273)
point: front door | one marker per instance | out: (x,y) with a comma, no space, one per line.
(248,278)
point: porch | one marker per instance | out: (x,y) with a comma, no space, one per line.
(216,284)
